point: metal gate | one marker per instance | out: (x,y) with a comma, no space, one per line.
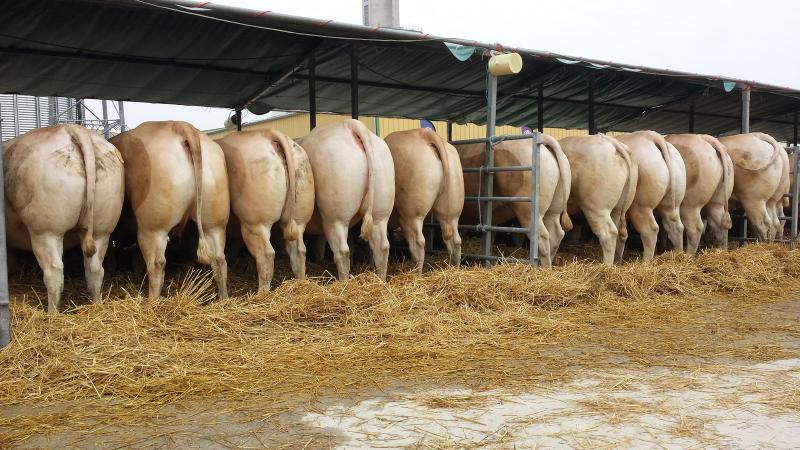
(486,199)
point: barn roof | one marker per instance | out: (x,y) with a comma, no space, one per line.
(199,53)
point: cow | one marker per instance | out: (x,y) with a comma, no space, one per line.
(555,179)
(709,185)
(353,180)
(270,181)
(64,187)
(173,173)
(760,179)
(427,176)
(604,183)
(660,188)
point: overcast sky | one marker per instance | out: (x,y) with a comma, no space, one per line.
(752,40)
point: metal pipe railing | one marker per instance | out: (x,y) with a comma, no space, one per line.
(485,226)
(5,308)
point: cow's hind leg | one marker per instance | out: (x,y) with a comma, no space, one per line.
(256,237)
(453,240)
(671,221)
(545,257)
(219,266)
(719,222)
(776,226)
(693,224)
(379,244)
(153,245)
(603,227)
(48,249)
(412,230)
(93,266)
(759,218)
(645,223)
(336,234)
(297,253)
(552,221)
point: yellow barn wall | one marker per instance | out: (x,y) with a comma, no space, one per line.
(298,125)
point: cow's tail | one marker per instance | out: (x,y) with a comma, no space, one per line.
(629,190)
(721,194)
(83,140)
(290,231)
(447,181)
(362,134)
(565,176)
(663,146)
(191,139)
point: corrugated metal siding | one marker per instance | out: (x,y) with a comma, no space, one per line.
(50,110)
(297,125)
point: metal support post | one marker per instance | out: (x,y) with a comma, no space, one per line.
(106,131)
(5,308)
(795,129)
(491,114)
(376,124)
(312,91)
(540,108)
(746,109)
(38,112)
(80,113)
(353,82)
(450,130)
(795,200)
(533,251)
(691,117)
(122,127)
(590,87)
(238,115)
(15,106)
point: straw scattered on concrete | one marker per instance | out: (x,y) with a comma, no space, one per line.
(130,360)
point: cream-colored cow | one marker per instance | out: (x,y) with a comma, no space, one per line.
(353,179)
(709,185)
(64,187)
(760,178)
(270,181)
(660,188)
(427,176)
(603,187)
(555,181)
(173,173)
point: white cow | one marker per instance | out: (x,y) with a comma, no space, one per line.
(709,185)
(173,173)
(353,180)
(64,185)
(603,187)
(270,181)
(427,176)
(760,178)
(660,188)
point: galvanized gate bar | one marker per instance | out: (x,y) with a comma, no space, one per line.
(472,198)
(533,251)
(485,169)
(495,139)
(491,110)
(482,228)
(486,226)
(795,194)
(5,312)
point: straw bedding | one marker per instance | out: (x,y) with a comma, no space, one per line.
(129,360)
